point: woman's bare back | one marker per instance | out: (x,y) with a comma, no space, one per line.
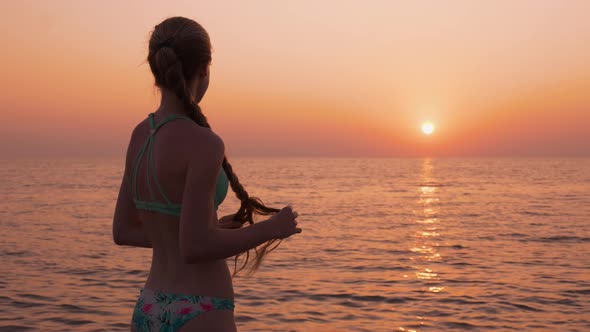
(173,144)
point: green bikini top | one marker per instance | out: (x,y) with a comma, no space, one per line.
(168,208)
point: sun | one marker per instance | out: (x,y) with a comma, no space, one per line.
(427,128)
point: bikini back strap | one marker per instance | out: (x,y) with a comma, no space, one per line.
(149,147)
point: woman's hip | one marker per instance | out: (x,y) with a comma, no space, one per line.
(155,309)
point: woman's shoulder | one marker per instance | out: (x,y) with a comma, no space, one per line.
(188,129)
(192,132)
(180,133)
(193,139)
(181,138)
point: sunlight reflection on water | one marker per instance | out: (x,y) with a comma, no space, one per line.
(387,244)
(425,237)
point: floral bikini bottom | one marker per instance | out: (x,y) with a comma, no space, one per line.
(160,311)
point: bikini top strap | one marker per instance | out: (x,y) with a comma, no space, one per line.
(149,148)
(152,121)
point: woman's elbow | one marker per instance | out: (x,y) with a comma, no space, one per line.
(118,239)
(118,235)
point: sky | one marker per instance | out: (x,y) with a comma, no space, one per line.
(307,78)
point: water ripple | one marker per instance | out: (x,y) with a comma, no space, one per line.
(388,245)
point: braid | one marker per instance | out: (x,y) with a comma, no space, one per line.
(169,72)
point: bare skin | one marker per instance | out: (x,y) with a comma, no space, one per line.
(168,271)
(174,146)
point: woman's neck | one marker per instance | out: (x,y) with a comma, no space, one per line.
(170,104)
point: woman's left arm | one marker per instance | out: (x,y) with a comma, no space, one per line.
(127,227)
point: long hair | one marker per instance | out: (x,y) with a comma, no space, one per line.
(180,49)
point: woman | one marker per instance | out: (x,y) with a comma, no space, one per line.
(176,175)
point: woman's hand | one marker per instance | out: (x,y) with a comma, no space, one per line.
(229,222)
(284,223)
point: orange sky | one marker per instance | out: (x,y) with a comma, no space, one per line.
(307,78)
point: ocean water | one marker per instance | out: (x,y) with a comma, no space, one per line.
(387,245)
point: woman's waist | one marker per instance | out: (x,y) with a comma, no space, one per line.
(211,279)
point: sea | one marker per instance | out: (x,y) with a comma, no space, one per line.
(387,244)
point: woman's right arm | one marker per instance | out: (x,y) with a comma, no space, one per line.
(200,238)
